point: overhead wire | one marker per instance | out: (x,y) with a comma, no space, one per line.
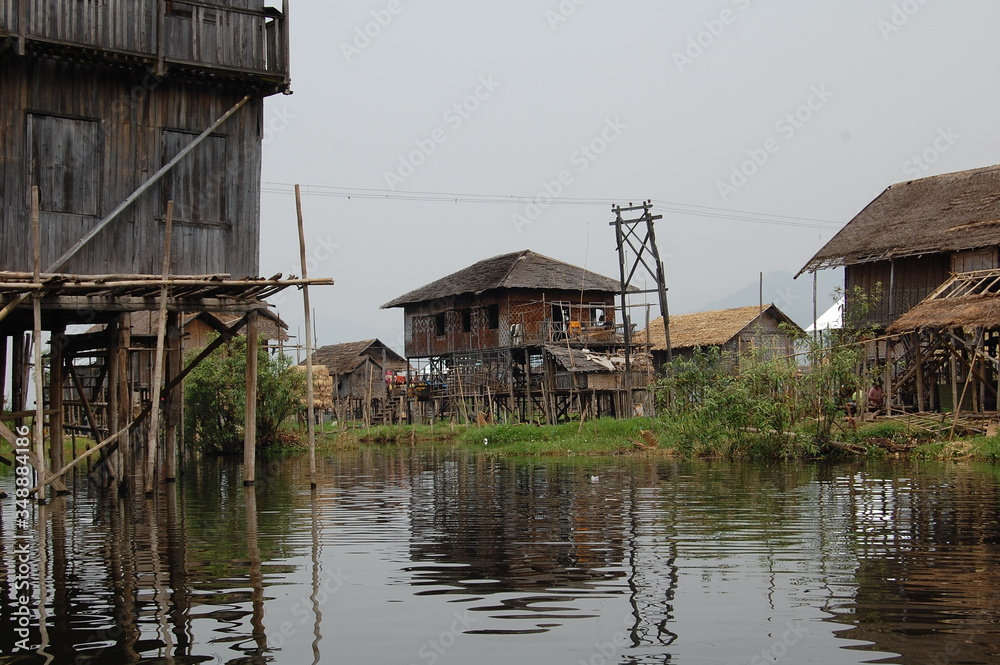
(500,199)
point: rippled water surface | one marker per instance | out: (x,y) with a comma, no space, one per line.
(441,555)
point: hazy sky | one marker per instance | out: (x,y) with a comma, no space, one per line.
(758,128)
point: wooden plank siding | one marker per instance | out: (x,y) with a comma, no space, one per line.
(89,137)
(224,34)
(484,322)
(912,279)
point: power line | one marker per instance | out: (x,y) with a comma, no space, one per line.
(499,199)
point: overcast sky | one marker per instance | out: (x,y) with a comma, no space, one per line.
(757,127)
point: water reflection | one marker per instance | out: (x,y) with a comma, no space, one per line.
(430,555)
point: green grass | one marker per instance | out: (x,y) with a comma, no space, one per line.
(595,437)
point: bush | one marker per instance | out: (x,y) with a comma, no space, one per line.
(215,399)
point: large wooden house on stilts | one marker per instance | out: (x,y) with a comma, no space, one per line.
(925,258)
(518,336)
(125,124)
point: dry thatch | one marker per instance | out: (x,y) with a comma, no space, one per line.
(945,213)
(322,387)
(976,311)
(704,329)
(519,270)
(343,359)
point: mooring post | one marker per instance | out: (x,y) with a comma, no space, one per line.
(250,415)
(39,421)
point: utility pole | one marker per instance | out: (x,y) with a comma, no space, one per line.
(636,243)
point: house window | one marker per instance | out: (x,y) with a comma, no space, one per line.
(493,317)
(439,324)
(466,320)
(197,183)
(599,314)
(65,157)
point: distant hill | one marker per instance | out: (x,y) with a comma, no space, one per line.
(793,296)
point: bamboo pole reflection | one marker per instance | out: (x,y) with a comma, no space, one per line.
(256,574)
(160,601)
(316,557)
(43,586)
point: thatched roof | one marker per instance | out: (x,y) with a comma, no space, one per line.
(519,270)
(966,300)
(977,311)
(345,358)
(715,328)
(945,213)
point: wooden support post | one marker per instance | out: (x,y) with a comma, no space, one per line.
(39,421)
(918,350)
(152,448)
(56,375)
(18,364)
(250,417)
(310,397)
(3,370)
(175,397)
(124,400)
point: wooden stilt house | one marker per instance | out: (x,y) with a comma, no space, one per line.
(923,255)
(122,120)
(480,339)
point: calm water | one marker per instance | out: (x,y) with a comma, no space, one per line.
(439,555)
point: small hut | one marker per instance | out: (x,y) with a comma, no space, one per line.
(366,376)
(733,331)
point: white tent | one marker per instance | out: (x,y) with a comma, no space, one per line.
(832,319)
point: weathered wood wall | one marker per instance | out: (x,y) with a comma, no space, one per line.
(902,283)
(228,34)
(468,320)
(89,137)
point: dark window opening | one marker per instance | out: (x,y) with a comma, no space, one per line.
(439,324)
(493,317)
(466,320)
(65,157)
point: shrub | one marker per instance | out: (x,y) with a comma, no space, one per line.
(215,398)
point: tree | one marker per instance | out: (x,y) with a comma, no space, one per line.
(215,398)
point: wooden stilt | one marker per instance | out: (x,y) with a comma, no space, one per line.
(174,398)
(250,416)
(56,455)
(310,397)
(124,458)
(39,421)
(157,381)
(18,367)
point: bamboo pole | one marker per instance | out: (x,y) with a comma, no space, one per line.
(310,397)
(161,333)
(39,419)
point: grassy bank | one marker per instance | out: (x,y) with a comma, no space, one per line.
(593,437)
